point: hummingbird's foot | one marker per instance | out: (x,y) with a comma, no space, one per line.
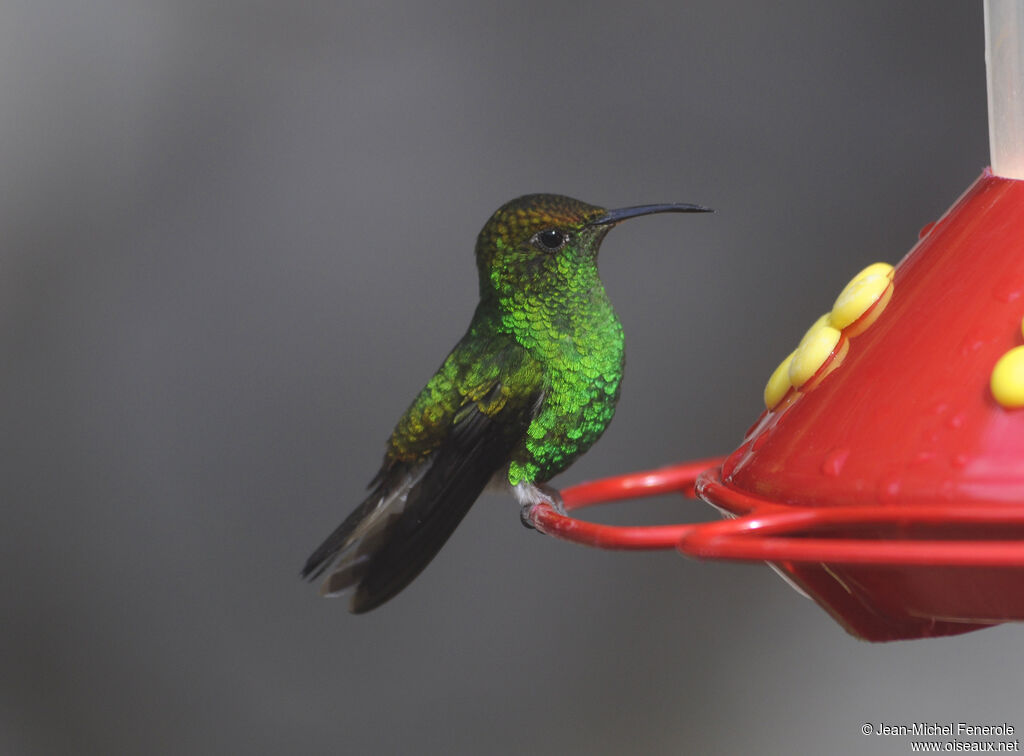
(531,494)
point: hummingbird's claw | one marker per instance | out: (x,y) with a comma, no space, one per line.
(554,499)
(524,516)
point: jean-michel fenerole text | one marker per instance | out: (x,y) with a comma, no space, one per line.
(943,728)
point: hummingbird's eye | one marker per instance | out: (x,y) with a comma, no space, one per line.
(550,240)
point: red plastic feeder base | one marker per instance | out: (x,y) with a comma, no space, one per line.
(890,487)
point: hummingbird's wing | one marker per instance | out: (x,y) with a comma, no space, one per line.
(455,436)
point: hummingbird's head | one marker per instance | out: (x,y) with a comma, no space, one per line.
(543,240)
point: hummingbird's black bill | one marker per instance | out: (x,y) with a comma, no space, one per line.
(623,213)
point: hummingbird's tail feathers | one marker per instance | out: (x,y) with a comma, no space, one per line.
(344,576)
(346,550)
(478,445)
(392,536)
(416,539)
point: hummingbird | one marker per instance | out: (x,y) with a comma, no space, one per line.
(530,387)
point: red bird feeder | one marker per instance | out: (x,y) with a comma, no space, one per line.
(886,475)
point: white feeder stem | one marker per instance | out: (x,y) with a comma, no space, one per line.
(1004,60)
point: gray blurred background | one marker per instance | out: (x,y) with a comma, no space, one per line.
(236,240)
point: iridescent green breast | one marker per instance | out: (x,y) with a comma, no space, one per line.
(581,345)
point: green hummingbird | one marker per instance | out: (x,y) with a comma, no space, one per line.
(531,386)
